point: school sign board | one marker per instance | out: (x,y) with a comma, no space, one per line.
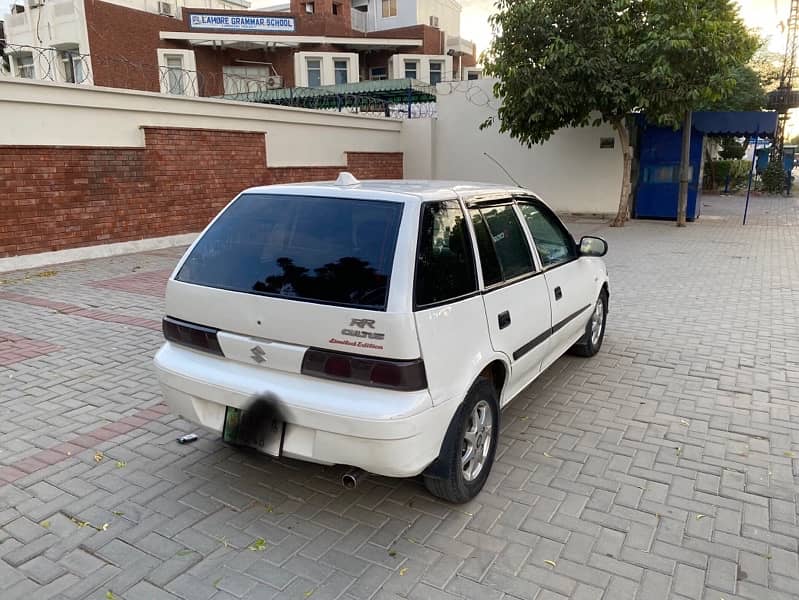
(241,22)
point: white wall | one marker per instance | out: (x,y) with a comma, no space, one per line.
(41,113)
(447,11)
(417,145)
(406,15)
(416,12)
(570,171)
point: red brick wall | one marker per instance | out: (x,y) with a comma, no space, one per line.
(53,198)
(432,39)
(123,45)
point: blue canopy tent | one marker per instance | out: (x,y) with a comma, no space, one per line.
(659,150)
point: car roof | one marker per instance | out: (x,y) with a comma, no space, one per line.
(386,189)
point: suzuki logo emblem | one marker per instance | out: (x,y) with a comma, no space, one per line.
(258,354)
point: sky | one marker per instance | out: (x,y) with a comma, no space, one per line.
(764,15)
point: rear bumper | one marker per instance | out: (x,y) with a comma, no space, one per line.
(397,434)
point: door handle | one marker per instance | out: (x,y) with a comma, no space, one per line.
(504,319)
(558,293)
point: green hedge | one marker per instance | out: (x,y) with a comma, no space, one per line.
(716,173)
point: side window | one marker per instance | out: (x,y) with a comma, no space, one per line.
(555,245)
(445,263)
(504,253)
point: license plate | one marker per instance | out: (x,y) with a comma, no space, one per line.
(241,430)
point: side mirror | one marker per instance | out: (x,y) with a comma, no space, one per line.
(593,246)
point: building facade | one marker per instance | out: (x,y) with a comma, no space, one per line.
(222,47)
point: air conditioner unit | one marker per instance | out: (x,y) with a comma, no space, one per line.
(165,9)
(433,21)
(274,81)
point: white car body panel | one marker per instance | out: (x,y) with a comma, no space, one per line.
(528,304)
(292,321)
(452,351)
(382,431)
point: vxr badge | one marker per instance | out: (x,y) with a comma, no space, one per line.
(258,354)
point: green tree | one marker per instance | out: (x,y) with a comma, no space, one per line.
(747,92)
(768,66)
(563,63)
(693,50)
(732,149)
(774,177)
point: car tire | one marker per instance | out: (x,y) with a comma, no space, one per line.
(474,429)
(591,341)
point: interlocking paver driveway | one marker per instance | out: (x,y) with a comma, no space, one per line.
(665,467)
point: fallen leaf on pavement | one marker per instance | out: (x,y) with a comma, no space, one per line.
(258,545)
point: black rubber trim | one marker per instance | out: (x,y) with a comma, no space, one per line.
(536,341)
(282,440)
(540,339)
(560,325)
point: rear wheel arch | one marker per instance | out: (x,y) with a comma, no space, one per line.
(496,373)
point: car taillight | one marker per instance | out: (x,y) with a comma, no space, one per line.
(401,375)
(191,335)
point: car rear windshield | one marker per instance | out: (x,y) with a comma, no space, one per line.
(329,250)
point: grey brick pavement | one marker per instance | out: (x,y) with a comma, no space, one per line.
(665,467)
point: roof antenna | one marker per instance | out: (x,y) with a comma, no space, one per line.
(503,168)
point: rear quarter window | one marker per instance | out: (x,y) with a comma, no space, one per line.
(445,268)
(329,250)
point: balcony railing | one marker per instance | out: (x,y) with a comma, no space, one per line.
(459,45)
(358,20)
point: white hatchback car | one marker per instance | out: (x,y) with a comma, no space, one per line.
(380,325)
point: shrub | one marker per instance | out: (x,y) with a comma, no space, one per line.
(774,177)
(738,171)
(732,149)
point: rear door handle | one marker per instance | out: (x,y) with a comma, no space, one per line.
(558,293)
(504,319)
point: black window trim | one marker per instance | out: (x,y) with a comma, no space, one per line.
(493,199)
(496,200)
(538,204)
(420,307)
(374,308)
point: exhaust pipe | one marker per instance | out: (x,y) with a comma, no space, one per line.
(351,479)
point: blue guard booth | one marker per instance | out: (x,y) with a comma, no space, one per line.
(659,150)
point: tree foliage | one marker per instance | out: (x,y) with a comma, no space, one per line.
(689,54)
(747,93)
(774,177)
(563,63)
(768,66)
(732,149)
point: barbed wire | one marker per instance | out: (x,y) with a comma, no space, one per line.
(70,66)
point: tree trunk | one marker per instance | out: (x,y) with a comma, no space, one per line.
(627,151)
(685,169)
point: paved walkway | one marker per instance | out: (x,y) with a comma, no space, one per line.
(665,467)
